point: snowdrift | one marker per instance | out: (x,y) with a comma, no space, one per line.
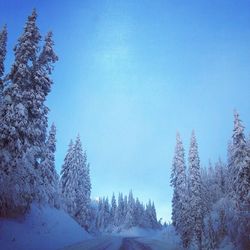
(42,228)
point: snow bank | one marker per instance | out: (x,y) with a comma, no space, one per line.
(43,228)
(136,232)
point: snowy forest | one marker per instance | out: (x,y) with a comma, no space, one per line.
(210,204)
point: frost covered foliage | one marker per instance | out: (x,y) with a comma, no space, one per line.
(195,193)
(3,44)
(23,119)
(218,196)
(180,201)
(187,202)
(75,184)
(49,176)
(128,212)
(239,176)
(229,185)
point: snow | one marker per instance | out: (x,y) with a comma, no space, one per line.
(137,232)
(133,238)
(42,228)
(102,242)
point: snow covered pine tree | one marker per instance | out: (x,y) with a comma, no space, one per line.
(75,184)
(180,206)
(24,120)
(3,44)
(195,192)
(50,178)
(239,171)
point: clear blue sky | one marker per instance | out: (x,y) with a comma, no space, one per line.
(131,73)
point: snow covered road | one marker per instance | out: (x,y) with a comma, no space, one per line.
(99,243)
(131,243)
(120,243)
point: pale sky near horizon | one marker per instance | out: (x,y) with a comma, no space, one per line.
(132,73)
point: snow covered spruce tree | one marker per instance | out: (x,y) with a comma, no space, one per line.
(42,86)
(113,210)
(150,214)
(24,120)
(103,219)
(3,174)
(180,206)
(195,193)
(83,194)
(239,166)
(75,184)
(239,171)
(214,184)
(139,214)
(65,180)
(106,212)
(120,211)
(50,178)
(130,218)
(3,44)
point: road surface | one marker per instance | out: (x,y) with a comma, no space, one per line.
(119,243)
(131,243)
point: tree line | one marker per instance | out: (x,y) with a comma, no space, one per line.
(211,205)
(125,213)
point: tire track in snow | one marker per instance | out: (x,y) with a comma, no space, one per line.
(131,243)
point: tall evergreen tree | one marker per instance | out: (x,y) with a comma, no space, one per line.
(120,211)
(106,212)
(113,210)
(50,179)
(3,44)
(67,180)
(14,136)
(239,170)
(195,192)
(130,219)
(41,87)
(139,213)
(83,190)
(240,165)
(65,175)
(180,208)
(178,177)
(150,215)
(3,175)
(23,120)
(75,184)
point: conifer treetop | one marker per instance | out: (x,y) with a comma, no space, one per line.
(3,44)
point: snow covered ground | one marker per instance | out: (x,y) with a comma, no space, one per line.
(123,243)
(43,228)
(132,239)
(51,229)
